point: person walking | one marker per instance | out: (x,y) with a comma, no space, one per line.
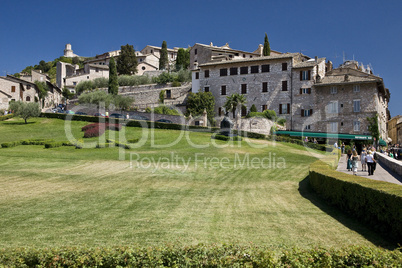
(349,162)
(343,147)
(370,163)
(363,159)
(355,160)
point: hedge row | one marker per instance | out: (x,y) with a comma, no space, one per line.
(226,138)
(200,256)
(5,117)
(316,146)
(26,142)
(376,203)
(119,144)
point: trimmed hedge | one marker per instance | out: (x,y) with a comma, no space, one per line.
(26,142)
(119,144)
(226,138)
(200,256)
(5,117)
(57,144)
(376,203)
(316,146)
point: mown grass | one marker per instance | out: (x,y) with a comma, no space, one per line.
(67,196)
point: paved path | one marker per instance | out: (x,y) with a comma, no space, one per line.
(381,172)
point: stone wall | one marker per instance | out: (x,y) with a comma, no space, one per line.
(391,163)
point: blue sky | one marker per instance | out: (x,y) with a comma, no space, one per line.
(367,31)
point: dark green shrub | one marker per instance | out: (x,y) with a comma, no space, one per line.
(176,84)
(10,144)
(5,117)
(54,144)
(226,138)
(133,140)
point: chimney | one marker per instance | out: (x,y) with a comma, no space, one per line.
(316,59)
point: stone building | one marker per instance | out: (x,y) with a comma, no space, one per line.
(17,89)
(395,129)
(307,92)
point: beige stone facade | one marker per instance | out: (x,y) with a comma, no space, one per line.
(395,124)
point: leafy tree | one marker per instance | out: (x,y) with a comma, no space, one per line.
(163,60)
(183,59)
(121,102)
(235,101)
(267,49)
(162,96)
(127,61)
(96,98)
(113,83)
(197,102)
(373,127)
(25,109)
(67,93)
(42,91)
(253,109)
(83,86)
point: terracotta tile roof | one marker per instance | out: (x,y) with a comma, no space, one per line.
(309,63)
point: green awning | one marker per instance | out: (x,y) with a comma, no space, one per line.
(325,135)
(382,142)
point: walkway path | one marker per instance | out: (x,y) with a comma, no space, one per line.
(381,172)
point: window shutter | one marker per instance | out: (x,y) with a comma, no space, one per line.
(309,91)
(309,75)
(301,91)
(302,112)
(280,108)
(288,108)
(301,75)
(311,111)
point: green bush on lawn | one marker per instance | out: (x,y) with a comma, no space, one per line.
(200,256)
(376,203)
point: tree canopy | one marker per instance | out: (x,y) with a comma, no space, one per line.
(163,60)
(183,59)
(267,49)
(127,61)
(197,102)
(235,101)
(113,86)
(25,109)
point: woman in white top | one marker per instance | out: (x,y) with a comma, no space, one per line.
(370,163)
(363,159)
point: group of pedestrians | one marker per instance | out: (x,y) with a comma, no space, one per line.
(367,160)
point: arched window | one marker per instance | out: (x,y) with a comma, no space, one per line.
(28,98)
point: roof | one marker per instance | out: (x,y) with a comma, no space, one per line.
(105,67)
(146,63)
(256,59)
(223,48)
(347,76)
(309,63)
(155,47)
(8,95)
(18,80)
(324,135)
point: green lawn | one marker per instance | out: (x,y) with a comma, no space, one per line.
(67,196)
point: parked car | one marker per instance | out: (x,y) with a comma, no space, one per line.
(164,121)
(69,112)
(81,113)
(138,117)
(116,116)
(99,114)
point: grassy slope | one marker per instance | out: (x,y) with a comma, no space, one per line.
(67,196)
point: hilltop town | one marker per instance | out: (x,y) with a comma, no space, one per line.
(309,94)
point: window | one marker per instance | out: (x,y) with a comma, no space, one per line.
(356,88)
(264,107)
(254,69)
(284,66)
(12,88)
(306,112)
(356,106)
(28,98)
(284,85)
(305,75)
(168,94)
(206,89)
(220,111)
(308,127)
(244,55)
(305,91)
(87,77)
(333,127)
(333,107)
(265,68)
(206,73)
(233,71)
(334,90)
(356,125)
(74,83)
(143,68)
(97,70)
(243,88)
(284,108)
(264,86)
(223,72)
(244,70)
(223,90)
(197,75)
(195,51)
(28,87)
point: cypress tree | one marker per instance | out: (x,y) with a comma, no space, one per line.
(113,83)
(163,60)
(267,49)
